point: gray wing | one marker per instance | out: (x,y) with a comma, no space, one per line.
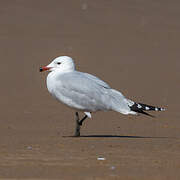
(82,91)
(97,80)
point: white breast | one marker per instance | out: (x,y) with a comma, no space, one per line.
(56,89)
(51,83)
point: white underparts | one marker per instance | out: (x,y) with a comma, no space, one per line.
(88,114)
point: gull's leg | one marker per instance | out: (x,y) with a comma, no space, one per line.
(81,121)
(78,124)
(77,130)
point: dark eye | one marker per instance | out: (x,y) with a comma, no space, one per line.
(58,63)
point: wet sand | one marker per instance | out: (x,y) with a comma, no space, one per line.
(133,46)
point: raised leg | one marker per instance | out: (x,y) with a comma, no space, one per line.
(78,124)
(81,121)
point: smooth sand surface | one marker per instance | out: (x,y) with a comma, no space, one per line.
(133,46)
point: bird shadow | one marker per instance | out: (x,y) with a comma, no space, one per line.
(117,136)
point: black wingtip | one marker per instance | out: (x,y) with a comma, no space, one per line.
(141,108)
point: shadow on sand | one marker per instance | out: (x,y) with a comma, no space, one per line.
(116,136)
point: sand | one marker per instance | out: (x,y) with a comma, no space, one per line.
(133,46)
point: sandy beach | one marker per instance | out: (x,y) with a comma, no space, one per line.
(133,46)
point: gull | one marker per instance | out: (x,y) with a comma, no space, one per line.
(87,93)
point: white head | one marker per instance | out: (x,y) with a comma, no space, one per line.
(61,63)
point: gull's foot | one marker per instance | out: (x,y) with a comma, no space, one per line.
(77,130)
(77,134)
